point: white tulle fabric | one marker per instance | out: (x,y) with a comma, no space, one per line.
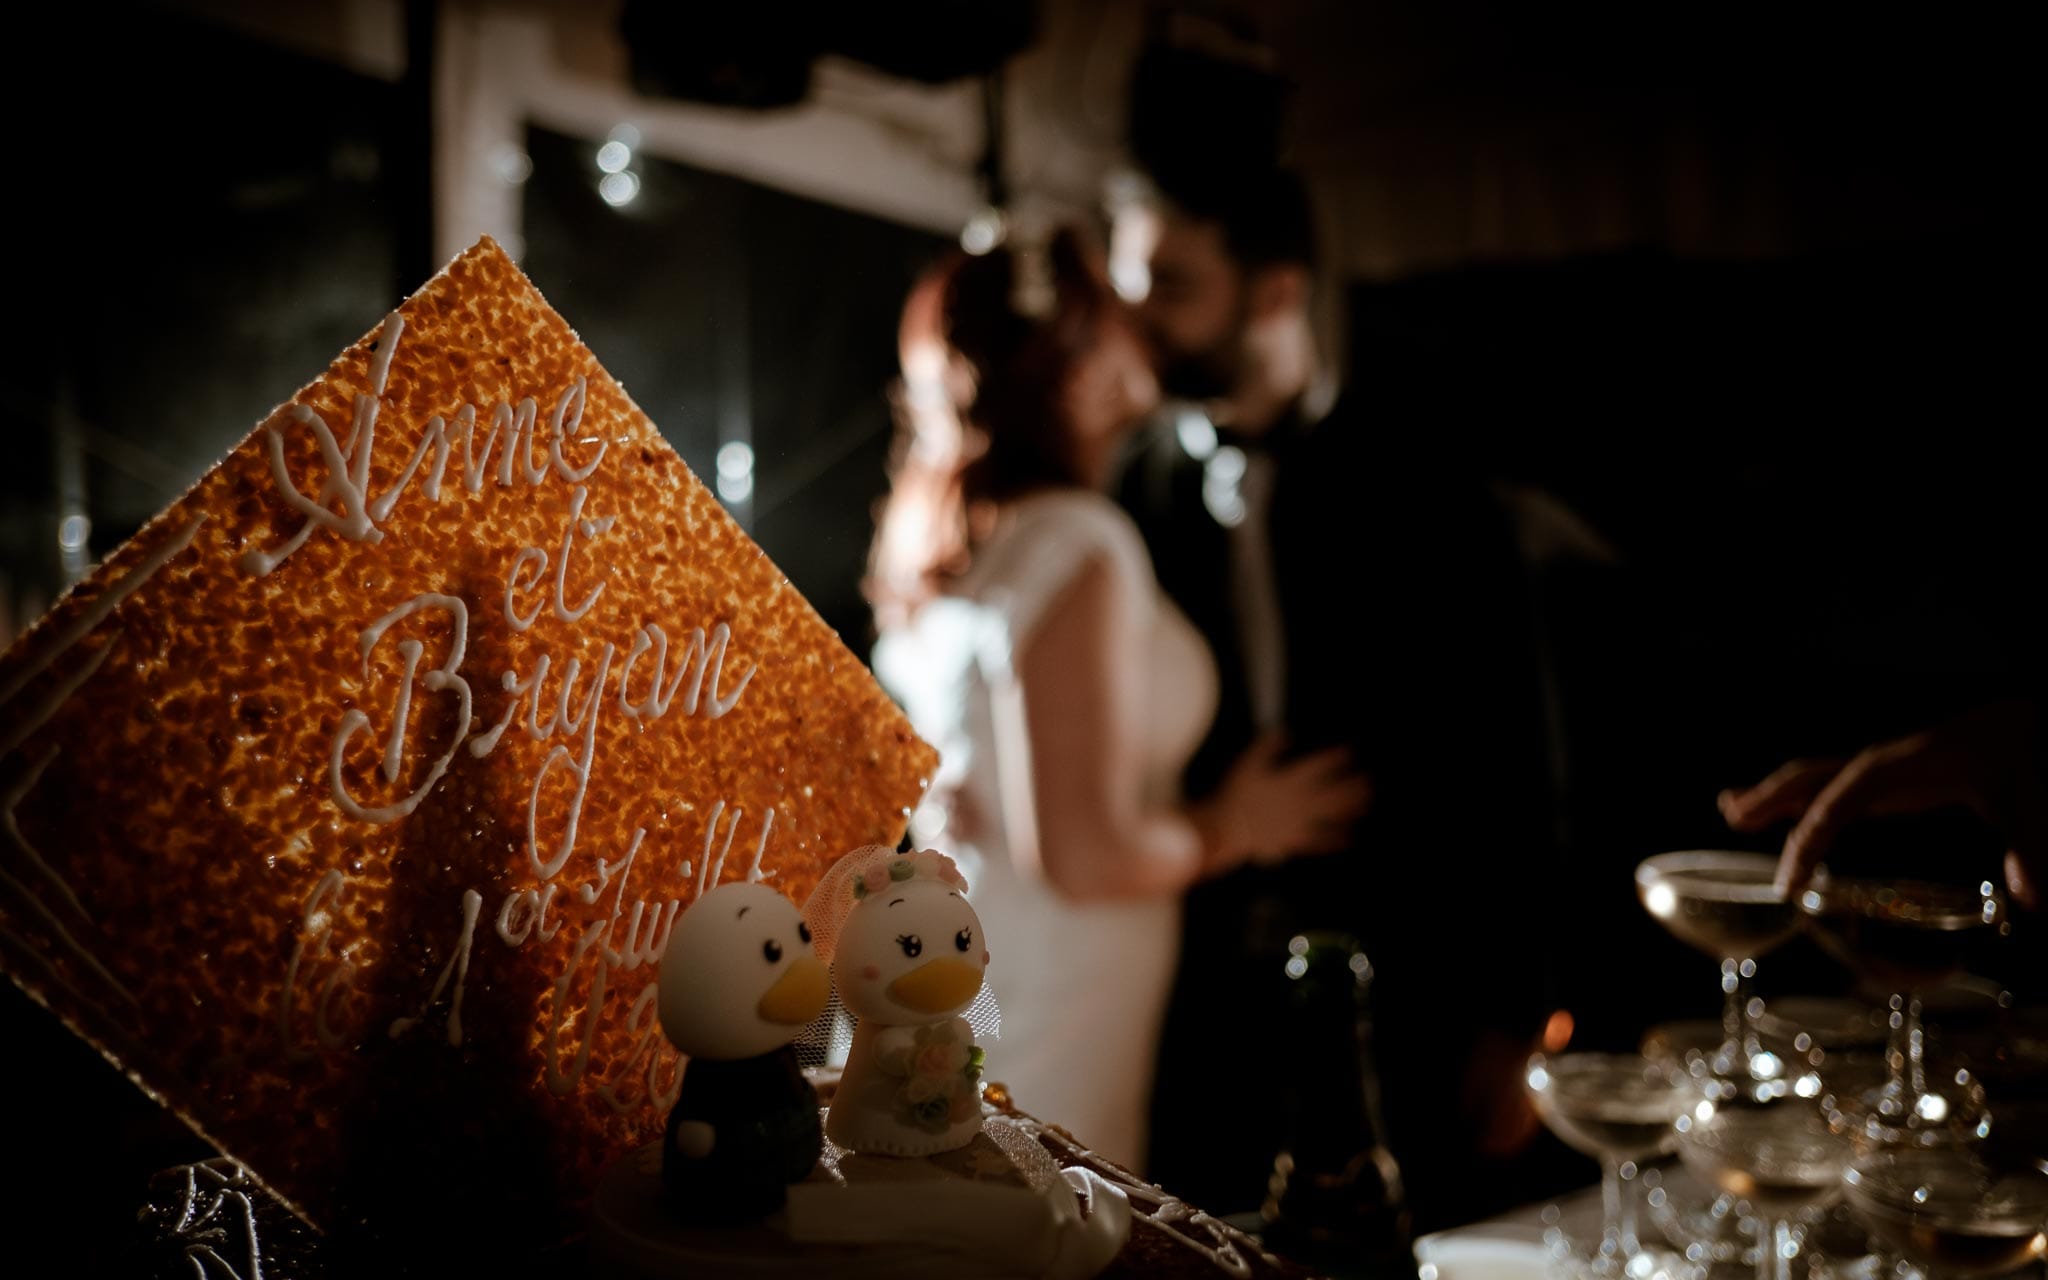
(1082,986)
(829,1036)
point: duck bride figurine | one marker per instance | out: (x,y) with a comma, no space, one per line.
(906,956)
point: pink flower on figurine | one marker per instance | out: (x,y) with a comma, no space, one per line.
(928,864)
(942,1084)
(940,1059)
(938,866)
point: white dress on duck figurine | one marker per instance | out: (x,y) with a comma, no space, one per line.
(1082,985)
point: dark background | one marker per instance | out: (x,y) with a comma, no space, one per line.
(1814,463)
(721,288)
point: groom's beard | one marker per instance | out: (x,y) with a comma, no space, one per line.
(1201,375)
(1213,372)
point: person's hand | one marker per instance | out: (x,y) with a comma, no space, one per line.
(1267,811)
(1985,760)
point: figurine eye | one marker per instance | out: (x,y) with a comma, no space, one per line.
(964,939)
(771,950)
(913,946)
(803,931)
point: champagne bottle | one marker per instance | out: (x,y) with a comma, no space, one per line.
(1335,1197)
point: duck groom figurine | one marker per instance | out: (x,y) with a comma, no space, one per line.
(738,981)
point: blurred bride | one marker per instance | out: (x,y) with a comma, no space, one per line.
(1023,630)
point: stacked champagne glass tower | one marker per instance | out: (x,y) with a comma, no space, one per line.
(1781,1131)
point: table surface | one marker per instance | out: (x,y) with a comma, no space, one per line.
(1580,1216)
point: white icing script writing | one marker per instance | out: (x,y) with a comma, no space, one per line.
(206,1220)
(49,651)
(343,504)
(458,968)
(316,924)
(551,693)
(444,677)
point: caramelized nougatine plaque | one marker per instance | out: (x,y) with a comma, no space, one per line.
(348,804)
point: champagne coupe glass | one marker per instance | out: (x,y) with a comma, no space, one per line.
(1717,1228)
(1909,935)
(1856,1090)
(1724,904)
(1950,1212)
(1617,1108)
(1772,1147)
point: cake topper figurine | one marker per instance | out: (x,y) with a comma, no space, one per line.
(907,957)
(738,981)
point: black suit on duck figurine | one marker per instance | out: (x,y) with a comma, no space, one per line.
(738,982)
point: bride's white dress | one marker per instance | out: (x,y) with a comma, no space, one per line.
(1083,986)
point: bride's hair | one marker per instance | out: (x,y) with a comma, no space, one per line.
(987,345)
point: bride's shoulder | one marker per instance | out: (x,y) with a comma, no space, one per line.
(1047,540)
(1082,523)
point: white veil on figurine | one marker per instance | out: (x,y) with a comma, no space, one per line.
(824,1043)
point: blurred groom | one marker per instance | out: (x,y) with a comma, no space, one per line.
(1360,589)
